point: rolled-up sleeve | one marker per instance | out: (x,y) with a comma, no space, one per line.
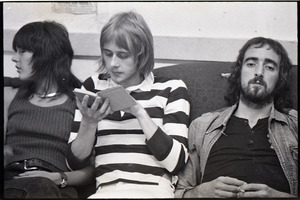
(169,143)
(190,176)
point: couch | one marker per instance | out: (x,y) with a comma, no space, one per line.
(206,83)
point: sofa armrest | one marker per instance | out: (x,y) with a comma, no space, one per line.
(9,94)
(12,82)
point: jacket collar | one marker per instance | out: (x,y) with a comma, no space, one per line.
(222,119)
(278,116)
(225,115)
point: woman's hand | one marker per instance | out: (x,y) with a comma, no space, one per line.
(98,111)
(54,176)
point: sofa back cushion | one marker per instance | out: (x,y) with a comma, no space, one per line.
(207,87)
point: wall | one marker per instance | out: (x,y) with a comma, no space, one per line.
(183,31)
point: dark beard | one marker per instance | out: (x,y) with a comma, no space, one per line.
(255,96)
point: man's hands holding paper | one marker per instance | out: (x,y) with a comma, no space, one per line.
(98,110)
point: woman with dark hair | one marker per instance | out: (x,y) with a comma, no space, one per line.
(138,150)
(40,116)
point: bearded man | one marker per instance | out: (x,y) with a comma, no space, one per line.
(251,148)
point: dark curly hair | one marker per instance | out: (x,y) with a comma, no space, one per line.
(282,97)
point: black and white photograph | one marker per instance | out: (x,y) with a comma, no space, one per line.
(150,99)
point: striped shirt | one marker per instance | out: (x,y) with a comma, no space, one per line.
(122,153)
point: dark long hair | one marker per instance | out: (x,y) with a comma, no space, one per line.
(281,91)
(52,57)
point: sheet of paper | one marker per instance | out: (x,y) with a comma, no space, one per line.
(119,98)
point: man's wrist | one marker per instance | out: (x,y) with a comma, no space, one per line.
(196,192)
(88,124)
(141,114)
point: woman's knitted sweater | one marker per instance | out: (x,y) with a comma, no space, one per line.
(39,132)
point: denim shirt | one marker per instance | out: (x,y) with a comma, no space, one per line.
(206,130)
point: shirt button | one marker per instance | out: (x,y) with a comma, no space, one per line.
(250,142)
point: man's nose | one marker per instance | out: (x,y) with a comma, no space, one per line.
(259,70)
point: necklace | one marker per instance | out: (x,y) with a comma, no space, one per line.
(47,95)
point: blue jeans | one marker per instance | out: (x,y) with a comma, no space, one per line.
(36,187)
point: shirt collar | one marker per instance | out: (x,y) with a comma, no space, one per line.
(145,85)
